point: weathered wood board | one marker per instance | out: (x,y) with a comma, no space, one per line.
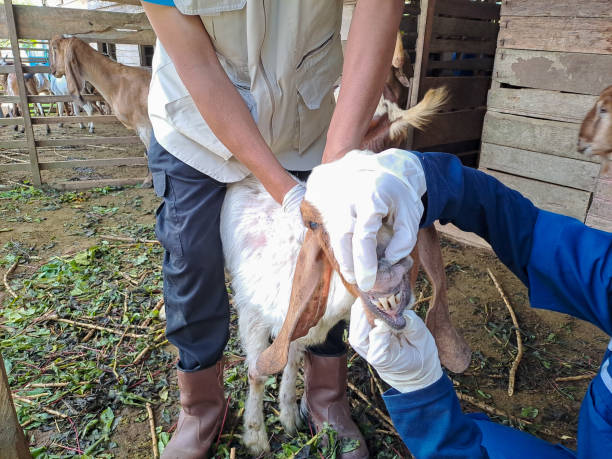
(451,27)
(467,9)
(570,72)
(600,212)
(451,127)
(547,168)
(552,137)
(563,8)
(598,222)
(12,441)
(465,92)
(575,35)
(547,196)
(537,103)
(37,22)
(462,46)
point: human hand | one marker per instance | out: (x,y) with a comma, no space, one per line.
(354,194)
(405,359)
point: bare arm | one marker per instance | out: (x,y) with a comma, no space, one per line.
(197,64)
(367,61)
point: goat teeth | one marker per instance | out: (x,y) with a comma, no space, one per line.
(392,302)
(398,298)
(376,303)
(383,302)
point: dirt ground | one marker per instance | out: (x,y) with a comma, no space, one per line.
(555,345)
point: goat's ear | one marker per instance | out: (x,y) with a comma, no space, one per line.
(307,304)
(74,80)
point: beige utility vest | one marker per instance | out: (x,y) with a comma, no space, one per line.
(283,57)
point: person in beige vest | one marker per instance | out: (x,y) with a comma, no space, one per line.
(245,87)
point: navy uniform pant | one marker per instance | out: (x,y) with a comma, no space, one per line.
(196,301)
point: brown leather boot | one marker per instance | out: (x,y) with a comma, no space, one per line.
(203,404)
(325,400)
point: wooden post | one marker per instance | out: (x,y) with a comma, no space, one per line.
(29,131)
(13,444)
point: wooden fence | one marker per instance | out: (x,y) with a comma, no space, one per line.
(455,44)
(553,58)
(41,23)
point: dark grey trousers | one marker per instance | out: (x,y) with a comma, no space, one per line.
(187,225)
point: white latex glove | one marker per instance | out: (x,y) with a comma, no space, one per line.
(405,359)
(354,194)
(293,199)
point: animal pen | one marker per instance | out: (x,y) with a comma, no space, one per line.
(20,23)
(522,74)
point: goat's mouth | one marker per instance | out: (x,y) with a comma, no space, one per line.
(391,294)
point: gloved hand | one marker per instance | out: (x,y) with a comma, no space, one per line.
(291,207)
(354,194)
(405,359)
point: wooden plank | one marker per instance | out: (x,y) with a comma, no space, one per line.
(547,168)
(37,22)
(569,72)
(425,28)
(26,68)
(52,99)
(14,144)
(602,223)
(14,167)
(465,92)
(133,161)
(574,35)
(86,184)
(555,198)
(472,239)
(468,9)
(601,208)
(73,119)
(451,127)
(126,140)
(27,122)
(563,8)
(12,440)
(551,137)
(484,63)
(454,27)
(463,46)
(127,2)
(603,190)
(537,103)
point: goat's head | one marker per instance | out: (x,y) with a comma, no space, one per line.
(316,264)
(595,137)
(64,61)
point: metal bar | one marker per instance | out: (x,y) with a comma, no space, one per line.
(29,131)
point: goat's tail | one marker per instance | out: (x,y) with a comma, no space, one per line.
(421,114)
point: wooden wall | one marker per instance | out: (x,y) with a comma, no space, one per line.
(553,58)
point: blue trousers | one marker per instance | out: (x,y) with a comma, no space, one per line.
(195,296)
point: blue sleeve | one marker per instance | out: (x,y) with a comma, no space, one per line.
(161,2)
(566,265)
(431,423)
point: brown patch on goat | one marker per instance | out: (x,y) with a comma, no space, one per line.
(595,136)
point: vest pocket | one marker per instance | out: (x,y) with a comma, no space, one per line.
(316,75)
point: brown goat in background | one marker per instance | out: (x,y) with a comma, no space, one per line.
(595,137)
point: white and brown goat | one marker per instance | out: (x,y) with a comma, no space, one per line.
(124,88)
(301,295)
(595,137)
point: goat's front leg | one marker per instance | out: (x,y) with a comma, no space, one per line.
(41,111)
(289,411)
(453,350)
(254,336)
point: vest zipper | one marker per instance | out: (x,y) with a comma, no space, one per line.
(265,76)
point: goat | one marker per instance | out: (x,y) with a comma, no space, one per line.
(35,84)
(255,233)
(59,87)
(124,88)
(595,136)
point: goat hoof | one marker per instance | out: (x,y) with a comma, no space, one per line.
(256,440)
(147,182)
(290,418)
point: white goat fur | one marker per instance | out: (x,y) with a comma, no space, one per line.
(261,245)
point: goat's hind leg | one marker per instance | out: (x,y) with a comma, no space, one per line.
(289,411)
(453,350)
(254,337)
